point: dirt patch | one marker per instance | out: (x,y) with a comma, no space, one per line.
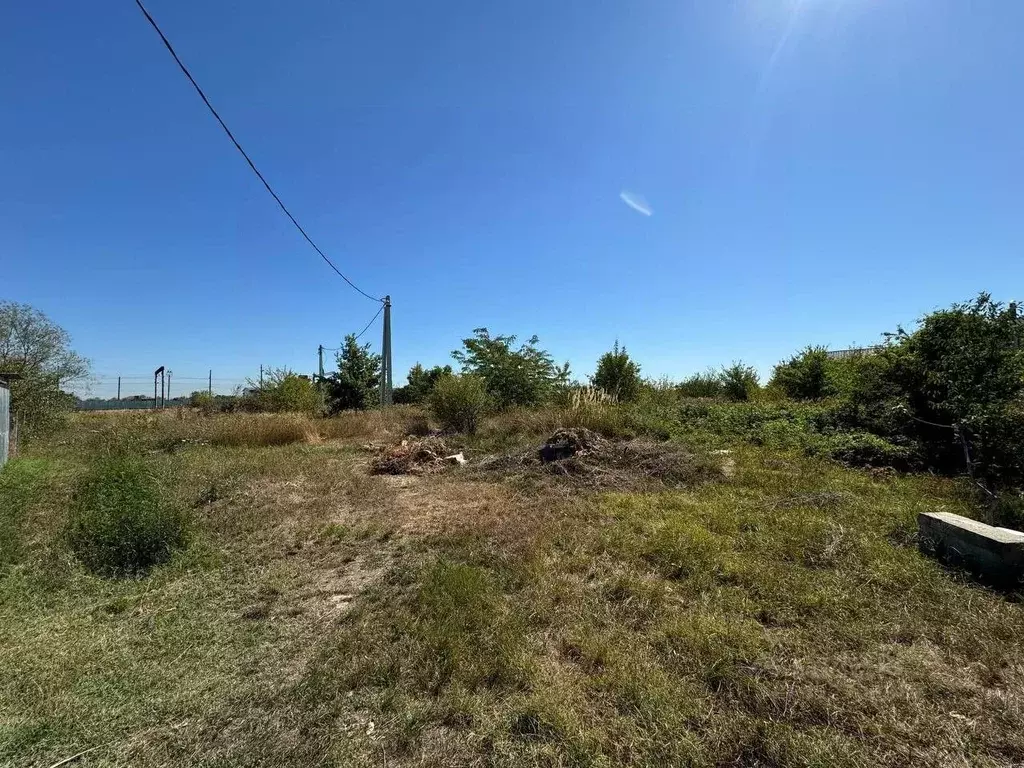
(583,458)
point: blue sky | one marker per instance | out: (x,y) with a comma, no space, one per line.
(817,172)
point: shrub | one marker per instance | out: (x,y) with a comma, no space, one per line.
(203,401)
(956,380)
(808,375)
(702,385)
(119,525)
(618,375)
(285,391)
(862,450)
(739,381)
(458,402)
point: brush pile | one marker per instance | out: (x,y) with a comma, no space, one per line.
(414,456)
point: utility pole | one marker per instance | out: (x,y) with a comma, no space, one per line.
(261,377)
(385,362)
(119,389)
(169,383)
(210,385)
(320,352)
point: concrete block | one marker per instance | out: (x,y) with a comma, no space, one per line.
(996,554)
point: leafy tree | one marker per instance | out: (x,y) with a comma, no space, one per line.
(739,381)
(421,383)
(356,383)
(39,351)
(808,375)
(524,376)
(618,375)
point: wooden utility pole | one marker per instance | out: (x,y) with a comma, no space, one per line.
(320,352)
(385,358)
(119,389)
(209,387)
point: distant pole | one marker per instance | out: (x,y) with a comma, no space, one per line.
(210,386)
(261,377)
(158,372)
(385,362)
(320,352)
(169,383)
(163,383)
(119,389)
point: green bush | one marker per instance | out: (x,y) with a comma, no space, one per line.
(618,375)
(957,378)
(702,385)
(119,525)
(458,402)
(739,381)
(861,449)
(203,401)
(809,375)
(284,391)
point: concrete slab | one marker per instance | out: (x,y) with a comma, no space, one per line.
(996,554)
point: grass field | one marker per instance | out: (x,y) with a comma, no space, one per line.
(777,613)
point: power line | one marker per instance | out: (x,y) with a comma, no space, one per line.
(365,329)
(370,323)
(184,69)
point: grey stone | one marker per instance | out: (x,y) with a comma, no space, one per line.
(996,554)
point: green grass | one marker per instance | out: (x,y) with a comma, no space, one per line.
(320,616)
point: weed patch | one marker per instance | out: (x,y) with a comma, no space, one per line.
(119,525)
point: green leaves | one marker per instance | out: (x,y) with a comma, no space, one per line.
(39,351)
(524,376)
(618,375)
(355,384)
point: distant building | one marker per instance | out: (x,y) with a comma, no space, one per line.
(842,354)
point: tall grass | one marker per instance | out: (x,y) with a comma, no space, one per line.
(398,419)
(19,481)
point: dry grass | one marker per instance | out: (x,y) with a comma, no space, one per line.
(252,430)
(323,616)
(396,420)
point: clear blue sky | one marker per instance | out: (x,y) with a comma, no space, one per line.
(818,171)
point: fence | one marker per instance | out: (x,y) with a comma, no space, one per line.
(135,391)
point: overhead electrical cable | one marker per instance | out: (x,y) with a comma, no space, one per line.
(252,165)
